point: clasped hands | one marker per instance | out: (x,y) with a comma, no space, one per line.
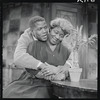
(51,72)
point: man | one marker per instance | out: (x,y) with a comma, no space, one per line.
(39,30)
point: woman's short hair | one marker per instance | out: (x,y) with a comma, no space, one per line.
(35,19)
(63,23)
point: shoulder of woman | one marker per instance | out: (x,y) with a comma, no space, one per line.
(65,48)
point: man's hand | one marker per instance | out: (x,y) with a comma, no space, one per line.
(43,65)
(49,69)
(49,77)
(39,75)
(46,70)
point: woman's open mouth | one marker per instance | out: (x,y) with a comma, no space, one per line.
(54,40)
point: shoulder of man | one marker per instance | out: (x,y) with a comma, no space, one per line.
(27,30)
(27,35)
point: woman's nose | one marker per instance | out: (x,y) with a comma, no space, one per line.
(57,36)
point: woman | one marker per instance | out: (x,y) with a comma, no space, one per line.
(32,84)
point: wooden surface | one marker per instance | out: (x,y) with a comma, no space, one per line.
(82,89)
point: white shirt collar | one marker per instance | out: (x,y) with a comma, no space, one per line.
(33,37)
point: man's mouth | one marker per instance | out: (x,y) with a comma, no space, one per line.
(45,36)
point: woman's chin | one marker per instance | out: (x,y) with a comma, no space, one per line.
(53,43)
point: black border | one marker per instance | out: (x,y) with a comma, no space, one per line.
(40,1)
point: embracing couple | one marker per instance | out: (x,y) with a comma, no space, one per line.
(41,53)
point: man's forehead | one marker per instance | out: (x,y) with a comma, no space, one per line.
(39,23)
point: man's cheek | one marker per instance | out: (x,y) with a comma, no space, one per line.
(39,34)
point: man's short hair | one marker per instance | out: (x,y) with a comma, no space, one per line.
(35,19)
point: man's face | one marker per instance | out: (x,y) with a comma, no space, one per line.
(56,35)
(41,30)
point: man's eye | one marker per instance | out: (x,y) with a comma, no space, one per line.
(45,27)
(39,29)
(61,36)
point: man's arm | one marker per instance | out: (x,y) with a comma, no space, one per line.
(21,58)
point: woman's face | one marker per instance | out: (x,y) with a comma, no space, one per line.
(56,35)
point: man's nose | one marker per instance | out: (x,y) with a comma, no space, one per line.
(43,30)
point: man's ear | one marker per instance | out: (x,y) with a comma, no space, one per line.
(34,33)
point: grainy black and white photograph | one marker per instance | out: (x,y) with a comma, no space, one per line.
(49,50)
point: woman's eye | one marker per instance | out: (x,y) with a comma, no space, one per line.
(61,35)
(56,32)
